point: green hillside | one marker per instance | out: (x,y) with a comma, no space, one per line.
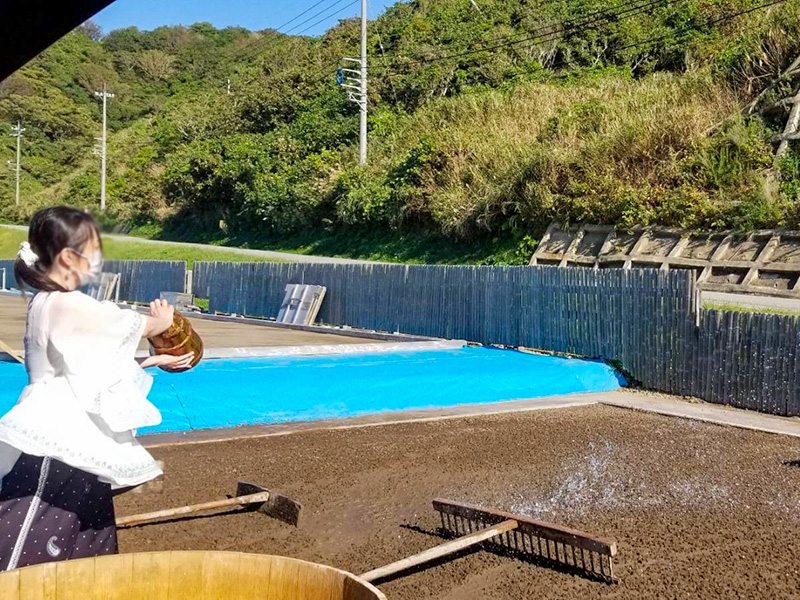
(115,249)
(487,121)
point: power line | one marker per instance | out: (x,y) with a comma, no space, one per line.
(709,23)
(538,38)
(314,16)
(569,24)
(328,17)
(549,36)
(640,8)
(263,44)
(326,66)
(383,64)
(680,31)
(253,48)
(299,15)
(690,28)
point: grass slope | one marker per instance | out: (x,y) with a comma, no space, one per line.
(132,250)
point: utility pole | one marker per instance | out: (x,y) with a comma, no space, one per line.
(105,96)
(362,138)
(356,83)
(16,131)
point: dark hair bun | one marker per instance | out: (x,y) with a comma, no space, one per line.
(49,232)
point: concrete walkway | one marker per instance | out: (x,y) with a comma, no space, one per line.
(663,405)
(206,436)
(750,301)
(701,411)
(283,256)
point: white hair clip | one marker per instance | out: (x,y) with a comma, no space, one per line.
(27,255)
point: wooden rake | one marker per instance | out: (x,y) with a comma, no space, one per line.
(256,497)
(548,544)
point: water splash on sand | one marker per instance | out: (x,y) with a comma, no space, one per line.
(603,480)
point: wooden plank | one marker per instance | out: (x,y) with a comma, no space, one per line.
(719,359)
(113,575)
(151,573)
(220,576)
(746,395)
(9,585)
(711,342)
(254,574)
(794,377)
(285,581)
(771,362)
(766,364)
(792,338)
(72,578)
(185,581)
(757,359)
(782,354)
(39,583)
(663,365)
(731,364)
(774,359)
(740,359)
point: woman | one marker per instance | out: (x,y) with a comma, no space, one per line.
(70,441)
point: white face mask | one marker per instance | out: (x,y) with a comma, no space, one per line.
(92,276)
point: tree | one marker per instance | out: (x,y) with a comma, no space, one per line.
(155,63)
(91,30)
(130,39)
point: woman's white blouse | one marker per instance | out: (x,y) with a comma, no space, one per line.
(86,394)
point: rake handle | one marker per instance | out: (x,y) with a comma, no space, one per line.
(193,508)
(442,550)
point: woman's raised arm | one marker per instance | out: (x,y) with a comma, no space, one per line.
(160,318)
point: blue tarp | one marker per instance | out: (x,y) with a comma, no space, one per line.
(245,391)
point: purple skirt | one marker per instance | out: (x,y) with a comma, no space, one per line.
(50,511)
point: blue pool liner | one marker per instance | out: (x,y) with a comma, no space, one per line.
(247,391)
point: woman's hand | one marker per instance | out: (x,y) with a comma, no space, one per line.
(160,319)
(169,362)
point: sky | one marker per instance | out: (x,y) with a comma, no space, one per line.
(251,14)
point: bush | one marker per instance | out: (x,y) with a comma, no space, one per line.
(591,125)
(247,180)
(362,196)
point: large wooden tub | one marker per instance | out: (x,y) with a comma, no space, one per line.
(185,575)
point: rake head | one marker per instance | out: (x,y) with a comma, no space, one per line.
(277,506)
(544,542)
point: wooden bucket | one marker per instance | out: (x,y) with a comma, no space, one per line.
(185,576)
(179,339)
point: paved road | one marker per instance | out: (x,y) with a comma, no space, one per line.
(751,301)
(287,256)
